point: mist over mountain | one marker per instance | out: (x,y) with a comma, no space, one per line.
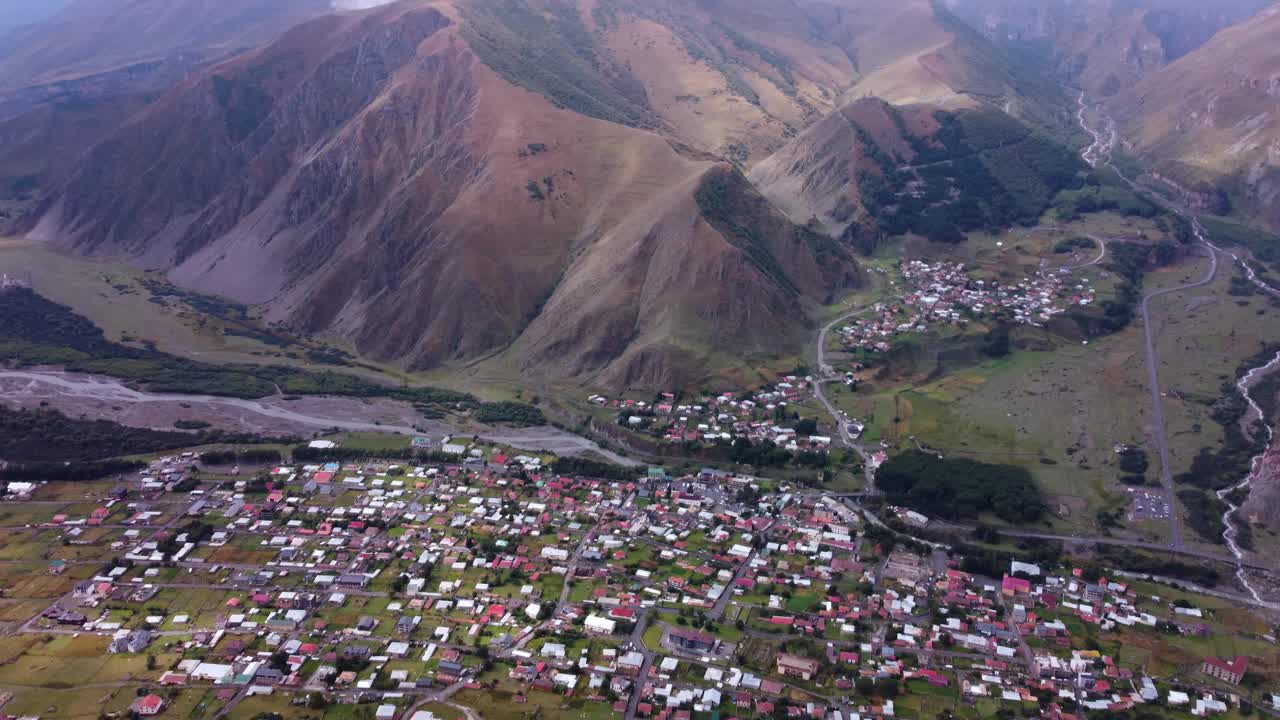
(358,4)
(1103,46)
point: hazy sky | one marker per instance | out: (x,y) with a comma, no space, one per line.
(20,12)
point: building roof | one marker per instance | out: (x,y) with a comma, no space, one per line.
(1239,665)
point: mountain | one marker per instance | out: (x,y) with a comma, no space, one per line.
(367,174)
(915,52)
(557,188)
(873,170)
(1212,118)
(89,37)
(1103,46)
(77,74)
(819,175)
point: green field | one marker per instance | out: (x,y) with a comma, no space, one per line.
(1061,412)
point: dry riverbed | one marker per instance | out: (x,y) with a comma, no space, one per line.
(93,397)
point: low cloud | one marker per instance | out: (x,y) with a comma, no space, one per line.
(359,4)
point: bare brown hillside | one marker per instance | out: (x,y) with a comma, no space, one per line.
(816,176)
(367,174)
(1213,117)
(70,80)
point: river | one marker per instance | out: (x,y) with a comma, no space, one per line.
(77,394)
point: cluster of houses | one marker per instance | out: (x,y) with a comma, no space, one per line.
(943,294)
(758,415)
(660,597)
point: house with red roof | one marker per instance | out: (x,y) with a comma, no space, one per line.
(148,705)
(1231,671)
(1011,586)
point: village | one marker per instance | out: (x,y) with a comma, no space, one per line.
(927,297)
(757,416)
(938,295)
(498,586)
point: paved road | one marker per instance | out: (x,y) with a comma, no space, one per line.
(1100,152)
(1189,552)
(722,602)
(1078,539)
(842,426)
(637,640)
(575,559)
(1102,253)
(1157,404)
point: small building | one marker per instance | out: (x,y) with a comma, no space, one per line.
(690,640)
(795,666)
(130,642)
(148,705)
(1011,586)
(600,625)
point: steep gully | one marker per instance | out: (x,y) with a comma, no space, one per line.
(1099,152)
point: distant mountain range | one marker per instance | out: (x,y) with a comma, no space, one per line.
(624,193)
(1103,46)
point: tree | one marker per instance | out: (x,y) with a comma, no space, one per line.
(866,686)
(996,344)
(1091,571)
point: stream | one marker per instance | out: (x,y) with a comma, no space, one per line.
(1255,412)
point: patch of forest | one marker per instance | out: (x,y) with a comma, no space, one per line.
(980,171)
(49,436)
(960,488)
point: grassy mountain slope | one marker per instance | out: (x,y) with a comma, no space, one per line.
(740,78)
(1212,119)
(731,83)
(872,170)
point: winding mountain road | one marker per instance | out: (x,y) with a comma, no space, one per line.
(823,377)
(1099,152)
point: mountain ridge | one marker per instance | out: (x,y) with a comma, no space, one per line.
(441,185)
(349,185)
